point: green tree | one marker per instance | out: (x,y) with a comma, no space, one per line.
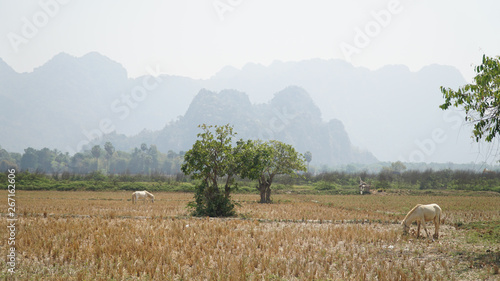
(77,162)
(136,164)
(480,99)
(148,161)
(110,150)
(171,154)
(212,160)
(29,160)
(45,158)
(96,152)
(154,154)
(61,162)
(120,162)
(398,167)
(308,156)
(264,160)
(6,160)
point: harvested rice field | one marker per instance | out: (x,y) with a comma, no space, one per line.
(103,236)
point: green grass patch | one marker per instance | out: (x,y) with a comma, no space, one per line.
(482,230)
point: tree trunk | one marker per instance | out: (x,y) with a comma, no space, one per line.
(262,196)
(227,187)
(268,194)
(265,192)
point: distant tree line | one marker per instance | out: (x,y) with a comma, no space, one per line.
(141,160)
(147,164)
(342,182)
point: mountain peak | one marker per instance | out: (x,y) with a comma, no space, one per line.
(297,101)
(208,105)
(57,62)
(400,68)
(68,95)
(293,92)
(227,72)
(437,70)
(63,63)
(290,116)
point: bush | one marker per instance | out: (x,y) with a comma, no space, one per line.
(64,187)
(323,185)
(211,203)
(184,187)
(132,186)
(96,175)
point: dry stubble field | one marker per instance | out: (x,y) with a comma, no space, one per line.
(103,236)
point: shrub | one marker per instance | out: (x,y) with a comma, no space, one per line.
(323,185)
(211,204)
(96,175)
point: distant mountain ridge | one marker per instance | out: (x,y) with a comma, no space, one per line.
(391,112)
(291,116)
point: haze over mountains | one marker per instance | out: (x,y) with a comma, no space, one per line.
(291,117)
(390,114)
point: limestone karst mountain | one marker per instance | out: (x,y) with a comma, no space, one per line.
(391,112)
(291,116)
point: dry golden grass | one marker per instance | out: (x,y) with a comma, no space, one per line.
(103,236)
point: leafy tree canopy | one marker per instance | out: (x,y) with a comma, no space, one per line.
(480,99)
(212,160)
(264,160)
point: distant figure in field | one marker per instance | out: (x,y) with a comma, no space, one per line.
(364,188)
(421,214)
(142,194)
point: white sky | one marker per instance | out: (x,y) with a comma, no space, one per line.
(189,38)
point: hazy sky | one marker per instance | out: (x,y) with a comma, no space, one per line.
(196,38)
